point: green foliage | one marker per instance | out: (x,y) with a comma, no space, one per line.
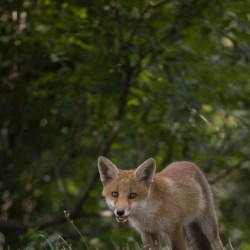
(130,80)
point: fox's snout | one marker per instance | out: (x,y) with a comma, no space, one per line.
(122,212)
(119,212)
(122,215)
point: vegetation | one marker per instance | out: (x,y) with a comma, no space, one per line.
(126,79)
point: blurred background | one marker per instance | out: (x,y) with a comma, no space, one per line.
(125,79)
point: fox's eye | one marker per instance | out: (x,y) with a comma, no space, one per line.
(132,195)
(114,194)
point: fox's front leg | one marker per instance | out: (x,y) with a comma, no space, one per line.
(174,238)
(177,237)
(150,240)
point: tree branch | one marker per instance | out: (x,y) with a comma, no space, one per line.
(19,226)
(149,6)
(119,20)
(106,147)
(227,172)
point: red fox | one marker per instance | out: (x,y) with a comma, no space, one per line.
(165,204)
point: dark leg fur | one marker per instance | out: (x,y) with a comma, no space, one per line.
(197,238)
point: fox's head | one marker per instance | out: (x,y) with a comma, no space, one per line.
(125,189)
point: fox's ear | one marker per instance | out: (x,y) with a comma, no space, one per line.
(146,171)
(107,169)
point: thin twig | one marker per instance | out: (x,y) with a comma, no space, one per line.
(42,236)
(64,241)
(76,229)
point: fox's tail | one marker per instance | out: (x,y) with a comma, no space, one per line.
(197,239)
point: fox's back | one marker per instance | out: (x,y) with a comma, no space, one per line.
(188,173)
(188,185)
(181,171)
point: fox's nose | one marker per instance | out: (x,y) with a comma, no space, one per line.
(120,212)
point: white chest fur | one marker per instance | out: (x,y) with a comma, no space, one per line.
(144,217)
